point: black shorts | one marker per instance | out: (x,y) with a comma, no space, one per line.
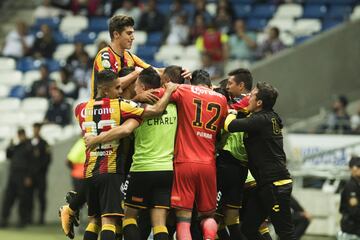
(231,176)
(104,197)
(148,189)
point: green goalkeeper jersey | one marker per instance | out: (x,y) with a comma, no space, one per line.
(235,145)
(154,142)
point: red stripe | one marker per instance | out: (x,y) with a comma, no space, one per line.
(113,61)
(104,162)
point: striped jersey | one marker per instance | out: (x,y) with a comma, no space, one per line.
(96,116)
(106,58)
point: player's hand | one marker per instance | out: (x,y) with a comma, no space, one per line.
(232,111)
(90,142)
(138,70)
(171,87)
(186,74)
(147,97)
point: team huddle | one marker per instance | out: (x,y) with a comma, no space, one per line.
(167,152)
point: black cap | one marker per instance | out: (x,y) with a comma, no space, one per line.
(354,161)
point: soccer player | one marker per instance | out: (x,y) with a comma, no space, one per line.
(201,113)
(232,159)
(101,168)
(266,160)
(116,56)
(152,163)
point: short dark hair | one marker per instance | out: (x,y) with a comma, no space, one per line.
(200,77)
(150,78)
(125,71)
(242,75)
(174,74)
(276,30)
(118,23)
(354,161)
(267,94)
(105,77)
(21,131)
(37,125)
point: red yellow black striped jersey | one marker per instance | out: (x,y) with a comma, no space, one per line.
(106,58)
(96,116)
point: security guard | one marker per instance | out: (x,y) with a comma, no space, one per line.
(350,204)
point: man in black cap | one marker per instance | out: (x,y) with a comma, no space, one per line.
(350,203)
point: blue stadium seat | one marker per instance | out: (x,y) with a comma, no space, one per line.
(53,23)
(85,37)
(154,38)
(241,1)
(242,10)
(329,23)
(316,1)
(341,12)
(314,11)
(256,24)
(157,64)
(52,65)
(98,24)
(189,9)
(146,52)
(61,38)
(164,8)
(17,91)
(263,11)
(348,2)
(27,64)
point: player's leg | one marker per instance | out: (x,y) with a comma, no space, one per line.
(92,229)
(130,228)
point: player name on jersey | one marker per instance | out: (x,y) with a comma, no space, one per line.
(204,135)
(161,121)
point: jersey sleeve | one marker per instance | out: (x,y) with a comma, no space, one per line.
(139,62)
(104,61)
(78,110)
(130,109)
(77,152)
(251,123)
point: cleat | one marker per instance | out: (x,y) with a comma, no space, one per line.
(67,221)
(69,198)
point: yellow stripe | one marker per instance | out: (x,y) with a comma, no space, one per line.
(159,229)
(263,230)
(114,115)
(92,159)
(112,214)
(231,221)
(233,206)
(162,207)
(250,184)
(228,120)
(129,221)
(92,227)
(135,206)
(108,227)
(282,182)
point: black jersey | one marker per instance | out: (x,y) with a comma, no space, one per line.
(350,207)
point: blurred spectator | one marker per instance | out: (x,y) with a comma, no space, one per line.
(46,10)
(87,7)
(200,9)
(74,59)
(176,9)
(226,4)
(59,111)
(213,42)
(18,42)
(129,9)
(350,204)
(179,31)
(42,159)
(223,19)
(300,218)
(41,87)
(101,45)
(19,180)
(198,28)
(242,43)
(44,45)
(151,19)
(355,122)
(271,45)
(338,121)
(82,72)
(66,84)
(214,70)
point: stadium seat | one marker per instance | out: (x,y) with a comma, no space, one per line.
(61,38)
(34,117)
(70,131)
(140,37)
(30,77)
(317,1)
(2,155)
(11,78)
(158,64)
(329,23)
(164,8)
(287,38)
(211,8)
(306,27)
(263,11)
(63,51)
(167,52)
(10,104)
(7,64)
(190,64)
(98,24)
(347,2)
(145,51)
(256,24)
(7,132)
(17,91)
(4,91)
(55,76)
(51,132)
(73,24)
(314,11)
(34,104)
(290,10)
(191,52)
(103,36)
(282,23)
(339,12)
(241,1)
(356,13)
(91,49)
(189,8)
(27,64)
(154,38)
(13,119)
(53,23)
(85,37)
(53,65)
(242,10)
